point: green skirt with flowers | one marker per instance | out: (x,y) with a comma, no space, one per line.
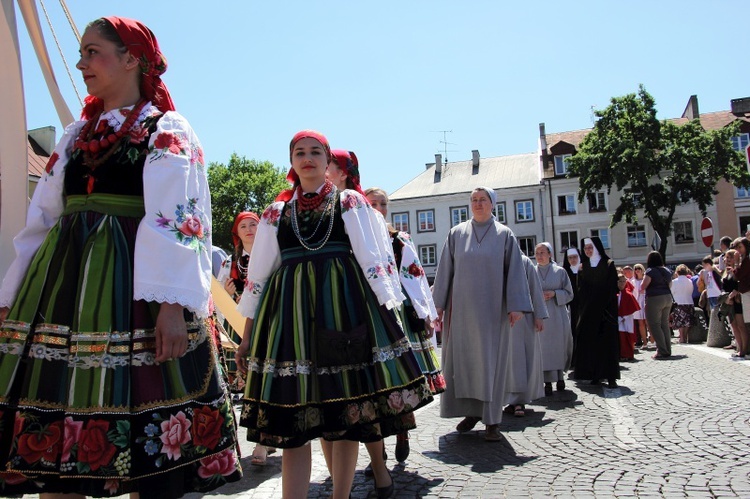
(84,408)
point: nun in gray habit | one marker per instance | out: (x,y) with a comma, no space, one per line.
(526,376)
(480,291)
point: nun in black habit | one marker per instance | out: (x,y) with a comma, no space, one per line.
(572,265)
(597,346)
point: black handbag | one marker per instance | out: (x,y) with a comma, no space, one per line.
(341,348)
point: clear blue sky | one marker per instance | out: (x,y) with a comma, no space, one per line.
(380,78)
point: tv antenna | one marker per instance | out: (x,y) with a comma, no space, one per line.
(445,142)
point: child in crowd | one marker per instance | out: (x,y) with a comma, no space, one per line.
(627,305)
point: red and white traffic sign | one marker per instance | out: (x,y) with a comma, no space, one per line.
(707,232)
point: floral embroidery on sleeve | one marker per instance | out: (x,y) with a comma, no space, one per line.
(253,287)
(375,272)
(350,201)
(168,142)
(271,216)
(413,270)
(187,227)
(196,156)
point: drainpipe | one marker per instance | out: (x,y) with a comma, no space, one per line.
(552,216)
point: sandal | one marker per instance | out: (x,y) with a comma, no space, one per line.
(259,456)
(492,433)
(520,411)
(467,424)
(510,409)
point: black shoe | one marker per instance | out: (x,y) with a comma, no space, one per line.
(560,385)
(368,470)
(547,389)
(402,446)
(384,492)
(612,384)
(594,381)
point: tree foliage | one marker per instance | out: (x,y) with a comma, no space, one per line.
(241,185)
(656,165)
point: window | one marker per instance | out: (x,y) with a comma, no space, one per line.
(427,255)
(459,214)
(568,239)
(500,212)
(740,142)
(401,222)
(525,212)
(638,199)
(602,234)
(561,164)
(527,245)
(566,204)
(636,236)
(597,202)
(426,221)
(683,232)
(743,192)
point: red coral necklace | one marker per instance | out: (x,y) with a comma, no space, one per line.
(91,147)
(312,202)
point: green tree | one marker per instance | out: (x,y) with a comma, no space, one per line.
(241,185)
(656,165)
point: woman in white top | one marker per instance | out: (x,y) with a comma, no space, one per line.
(682,292)
(640,316)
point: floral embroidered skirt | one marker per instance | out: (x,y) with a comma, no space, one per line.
(325,359)
(423,349)
(83,406)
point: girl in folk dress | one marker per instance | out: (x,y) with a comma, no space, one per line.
(108,376)
(326,354)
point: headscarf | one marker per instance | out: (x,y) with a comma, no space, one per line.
(348,163)
(142,44)
(566,263)
(490,193)
(292,176)
(234,272)
(238,219)
(551,253)
(599,252)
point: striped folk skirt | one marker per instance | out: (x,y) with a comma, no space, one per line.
(84,408)
(325,359)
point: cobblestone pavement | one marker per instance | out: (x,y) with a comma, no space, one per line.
(674,428)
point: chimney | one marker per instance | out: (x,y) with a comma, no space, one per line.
(438,163)
(474,161)
(542,138)
(45,137)
(691,110)
(741,106)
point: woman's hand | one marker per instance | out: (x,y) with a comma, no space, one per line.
(241,353)
(428,329)
(230,287)
(514,317)
(4,313)
(171,332)
(549,294)
(539,325)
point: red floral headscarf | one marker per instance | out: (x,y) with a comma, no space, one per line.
(141,43)
(234,272)
(292,176)
(348,163)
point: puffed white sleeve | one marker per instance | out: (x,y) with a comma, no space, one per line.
(264,260)
(372,251)
(414,280)
(46,206)
(173,244)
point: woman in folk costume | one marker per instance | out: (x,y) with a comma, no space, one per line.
(416,313)
(108,377)
(572,266)
(627,305)
(557,340)
(525,377)
(327,356)
(597,347)
(480,260)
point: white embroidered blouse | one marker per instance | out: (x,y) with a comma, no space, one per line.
(173,242)
(370,245)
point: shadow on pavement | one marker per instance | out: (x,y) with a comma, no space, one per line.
(470,449)
(406,484)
